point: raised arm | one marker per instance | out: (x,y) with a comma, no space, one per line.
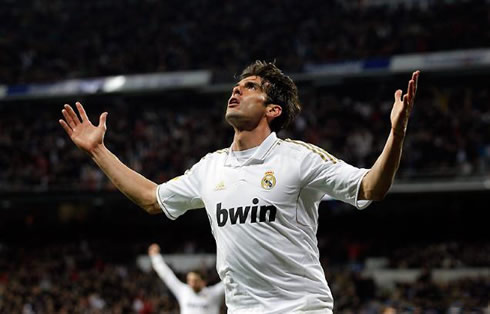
(164,272)
(380,177)
(90,139)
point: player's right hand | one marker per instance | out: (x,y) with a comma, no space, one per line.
(82,132)
(154,249)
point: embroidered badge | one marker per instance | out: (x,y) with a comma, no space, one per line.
(268,181)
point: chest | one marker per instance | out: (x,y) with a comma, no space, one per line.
(196,303)
(247,191)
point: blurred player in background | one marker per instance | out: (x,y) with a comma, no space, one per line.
(261,194)
(193,297)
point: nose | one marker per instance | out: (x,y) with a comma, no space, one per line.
(236,90)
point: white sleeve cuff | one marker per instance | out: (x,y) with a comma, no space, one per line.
(361,204)
(162,205)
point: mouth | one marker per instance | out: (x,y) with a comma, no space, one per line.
(233,102)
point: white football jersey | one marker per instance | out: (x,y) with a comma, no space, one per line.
(264,218)
(206,301)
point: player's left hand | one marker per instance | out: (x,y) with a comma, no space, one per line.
(403,107)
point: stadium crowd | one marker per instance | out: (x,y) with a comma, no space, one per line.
(47,40)
(442,255)
(162,137)
(100,277)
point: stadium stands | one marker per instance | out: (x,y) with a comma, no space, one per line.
(55,40)
(447,135)
(68,245)
(90,278)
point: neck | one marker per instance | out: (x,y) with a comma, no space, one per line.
(249,139)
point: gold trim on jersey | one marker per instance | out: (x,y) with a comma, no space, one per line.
(220,186)
(224,150)
(176,178)
(321,152)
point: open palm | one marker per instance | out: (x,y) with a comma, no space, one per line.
(82,132)
(403,106)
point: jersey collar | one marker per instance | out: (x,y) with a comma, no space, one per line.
(259,155)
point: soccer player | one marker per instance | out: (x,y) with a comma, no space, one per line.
(261,194)
(194,297)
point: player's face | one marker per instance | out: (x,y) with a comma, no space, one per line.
(195,282)
(246,106)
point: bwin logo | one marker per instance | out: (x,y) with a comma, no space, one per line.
(240,214)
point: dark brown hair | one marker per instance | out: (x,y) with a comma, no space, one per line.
(200,273)
(280,90)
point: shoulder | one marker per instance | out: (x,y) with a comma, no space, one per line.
(308,149)
(220,152)
(216,154)
(211,157)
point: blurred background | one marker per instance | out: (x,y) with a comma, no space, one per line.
(70,243)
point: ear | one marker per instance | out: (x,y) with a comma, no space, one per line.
(273,111)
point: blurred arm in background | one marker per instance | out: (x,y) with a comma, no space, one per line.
(165,273)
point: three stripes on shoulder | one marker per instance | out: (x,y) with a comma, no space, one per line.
(320,151)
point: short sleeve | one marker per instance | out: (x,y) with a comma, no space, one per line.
(323,172)
(182,193)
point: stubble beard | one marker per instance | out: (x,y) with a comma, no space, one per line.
(238,121)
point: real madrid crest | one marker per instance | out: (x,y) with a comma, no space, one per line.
(268,181)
